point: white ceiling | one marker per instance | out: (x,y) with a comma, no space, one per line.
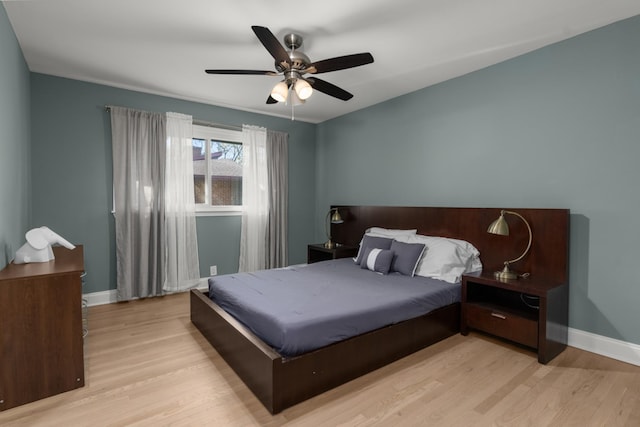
(163,47)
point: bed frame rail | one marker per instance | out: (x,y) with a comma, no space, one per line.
(249,356)
(282,382)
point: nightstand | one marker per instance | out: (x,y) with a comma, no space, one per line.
(317,252)
(529,311)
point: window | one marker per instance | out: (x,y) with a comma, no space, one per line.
(217,169)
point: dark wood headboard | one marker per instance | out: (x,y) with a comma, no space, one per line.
(548,257)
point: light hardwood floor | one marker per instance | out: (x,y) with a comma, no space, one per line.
(147,365)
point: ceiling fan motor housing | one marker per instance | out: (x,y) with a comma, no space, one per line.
(299,61)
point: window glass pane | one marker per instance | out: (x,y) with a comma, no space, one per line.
(226,173)
(217,164)
(199,169)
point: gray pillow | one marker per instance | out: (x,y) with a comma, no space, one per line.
(372,242)
(406,257)
(378,260)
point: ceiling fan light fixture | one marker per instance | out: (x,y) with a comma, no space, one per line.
(280,92)
(295,99)
(303,89)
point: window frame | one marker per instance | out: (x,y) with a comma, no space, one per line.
(208,133)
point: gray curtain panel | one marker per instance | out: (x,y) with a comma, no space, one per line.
(139,154)
(278,171)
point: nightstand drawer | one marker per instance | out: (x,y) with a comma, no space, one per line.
(502,323)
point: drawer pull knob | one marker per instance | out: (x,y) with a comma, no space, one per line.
(499,316)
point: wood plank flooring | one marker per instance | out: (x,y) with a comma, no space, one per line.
(147,365)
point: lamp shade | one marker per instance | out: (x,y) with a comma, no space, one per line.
(499,226)
(280,92)
(303,89)
(336,218)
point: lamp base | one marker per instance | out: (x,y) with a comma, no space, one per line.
(329,244)
(505,274)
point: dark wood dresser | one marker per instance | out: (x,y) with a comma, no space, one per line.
(41,344)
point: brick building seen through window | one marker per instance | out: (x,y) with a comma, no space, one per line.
(219,163)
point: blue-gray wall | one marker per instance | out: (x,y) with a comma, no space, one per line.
(556,128)
(14,142)
(72,173)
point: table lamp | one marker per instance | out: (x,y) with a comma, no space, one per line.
(333,217)
(500,227)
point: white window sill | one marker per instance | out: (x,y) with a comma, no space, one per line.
(218,211)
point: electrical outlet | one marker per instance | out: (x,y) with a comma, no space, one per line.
(213,270)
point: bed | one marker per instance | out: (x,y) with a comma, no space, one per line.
(280,381)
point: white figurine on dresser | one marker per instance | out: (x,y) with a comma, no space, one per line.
(38,246)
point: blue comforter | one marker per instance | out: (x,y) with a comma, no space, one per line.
(302,308)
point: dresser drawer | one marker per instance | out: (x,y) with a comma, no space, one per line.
(502,323)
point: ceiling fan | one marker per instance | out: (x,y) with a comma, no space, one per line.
(294,64)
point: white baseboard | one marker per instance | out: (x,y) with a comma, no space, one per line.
(99,298)
(111,296)
(605,346)
(599,344)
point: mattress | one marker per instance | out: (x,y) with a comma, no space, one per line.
(301,308)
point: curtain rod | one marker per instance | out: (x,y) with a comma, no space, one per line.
(107,108)
(216,125)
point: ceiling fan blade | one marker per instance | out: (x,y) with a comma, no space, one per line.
(270,100)
(329,89)
(271,43)
(244,72)
(341,63)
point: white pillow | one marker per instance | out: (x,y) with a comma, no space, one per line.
(445,259)
(389,232)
